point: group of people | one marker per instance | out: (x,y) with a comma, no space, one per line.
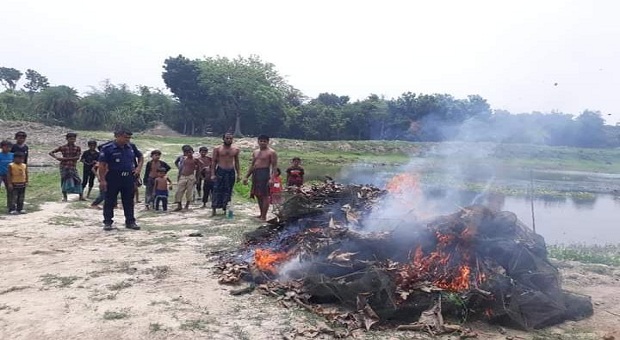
(117,165)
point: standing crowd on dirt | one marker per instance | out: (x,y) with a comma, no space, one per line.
(117,166)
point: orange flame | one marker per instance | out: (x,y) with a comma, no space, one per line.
(266,260)
(402,183)
(448,266)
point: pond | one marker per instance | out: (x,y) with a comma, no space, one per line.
(561,220)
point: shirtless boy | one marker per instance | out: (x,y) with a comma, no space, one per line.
(262,169)
(224,173)
(187,179)
(161,184)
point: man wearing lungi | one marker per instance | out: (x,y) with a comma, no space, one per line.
(262,169)
(224,173)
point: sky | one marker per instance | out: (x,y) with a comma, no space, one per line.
(521,56)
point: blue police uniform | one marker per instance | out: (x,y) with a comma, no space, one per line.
(121,161)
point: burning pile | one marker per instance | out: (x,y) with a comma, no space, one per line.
(475,263)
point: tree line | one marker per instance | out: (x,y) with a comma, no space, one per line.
(248,96)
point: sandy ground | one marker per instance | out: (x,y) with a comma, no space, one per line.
(62,277)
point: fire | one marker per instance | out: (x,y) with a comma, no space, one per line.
(448,266)
(402,183)
(266,260)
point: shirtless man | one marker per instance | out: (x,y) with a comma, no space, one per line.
(187,179)
(224,173)
(262,169)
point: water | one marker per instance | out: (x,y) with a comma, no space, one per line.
(564,220)
(571,221)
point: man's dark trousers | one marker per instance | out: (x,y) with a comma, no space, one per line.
(123,183)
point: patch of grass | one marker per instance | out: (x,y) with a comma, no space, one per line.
(158,272)
(120,285)
(165,239)
(58,281)
(181,300)
(125,267)
(239,333)
(155,303)
(43,186)
(13,289)
(156,327)
(116,315)
(69,221)
(607,255)
(194,325)
(165,250)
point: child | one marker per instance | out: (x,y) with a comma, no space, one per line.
(88,159)
(6,158)
(187,179)
(295,174)
(20,145)
(151,172)
(275,191)
(205,175)
(101,197)
(18,180)
(161,184)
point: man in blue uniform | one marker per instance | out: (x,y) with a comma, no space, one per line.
(117,170)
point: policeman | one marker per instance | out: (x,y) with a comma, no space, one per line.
(117,170)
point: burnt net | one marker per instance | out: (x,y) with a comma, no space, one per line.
(476,263)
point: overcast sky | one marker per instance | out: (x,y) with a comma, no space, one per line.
(521,56)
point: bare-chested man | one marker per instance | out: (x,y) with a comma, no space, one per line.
(188,171)
(224,173)
(262,169)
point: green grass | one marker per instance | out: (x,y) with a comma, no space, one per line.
(58,281)
(607,255)
(116,315)
(43,186)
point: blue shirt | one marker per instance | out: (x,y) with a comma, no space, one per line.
(120,158)
(5,160)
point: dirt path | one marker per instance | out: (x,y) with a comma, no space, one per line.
(62,277)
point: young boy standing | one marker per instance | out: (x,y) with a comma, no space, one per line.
(18,180)
(6,158)
(161,185)
(187,179)
(205,175)
(151,172)
(20,145)
(70,181)
(89,157)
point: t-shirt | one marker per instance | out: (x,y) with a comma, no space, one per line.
(18,172)
(21,148)
(295,176)
(5,160)
(89,157)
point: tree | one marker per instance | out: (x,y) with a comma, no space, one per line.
(590,129)
(182,77)
(245,89)
(36,82)
(9,77)
(57,104)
